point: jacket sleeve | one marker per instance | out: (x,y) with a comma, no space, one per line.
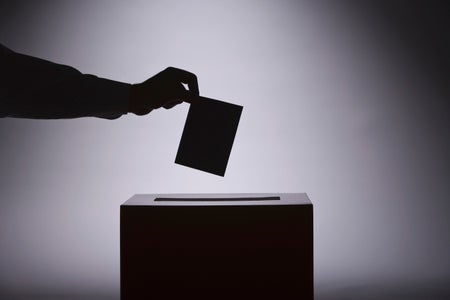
(35,88)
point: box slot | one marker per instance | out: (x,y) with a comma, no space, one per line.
(272,198)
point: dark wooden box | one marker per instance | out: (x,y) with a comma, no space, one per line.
(217,246)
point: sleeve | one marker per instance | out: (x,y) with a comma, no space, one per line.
(35,88)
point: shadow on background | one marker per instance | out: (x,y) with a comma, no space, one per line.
(380,292)
(356,292)
(422,29)
(59,297)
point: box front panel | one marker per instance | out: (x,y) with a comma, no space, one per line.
(243,252)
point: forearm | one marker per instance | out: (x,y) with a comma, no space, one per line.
(35,88)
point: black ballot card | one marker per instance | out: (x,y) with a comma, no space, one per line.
(208,135)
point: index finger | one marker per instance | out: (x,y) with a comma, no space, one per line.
(186,77)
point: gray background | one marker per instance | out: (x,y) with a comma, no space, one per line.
(345,101)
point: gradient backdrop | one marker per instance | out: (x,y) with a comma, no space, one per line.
(346,101)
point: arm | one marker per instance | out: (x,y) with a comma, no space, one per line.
(34,88)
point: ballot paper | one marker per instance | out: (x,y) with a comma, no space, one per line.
(208,135)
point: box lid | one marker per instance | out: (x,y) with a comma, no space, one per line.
(218,199)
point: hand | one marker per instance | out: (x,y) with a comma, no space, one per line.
(165,89)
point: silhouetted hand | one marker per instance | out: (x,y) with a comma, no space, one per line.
(165,89)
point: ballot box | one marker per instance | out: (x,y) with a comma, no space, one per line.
(216,246)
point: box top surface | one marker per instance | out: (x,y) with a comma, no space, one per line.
(218,199)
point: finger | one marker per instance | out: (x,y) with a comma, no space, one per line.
(185,95)
(142,111)
(186,77)
(172,104)
(190,98)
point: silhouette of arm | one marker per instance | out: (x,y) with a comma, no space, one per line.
(35,88)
